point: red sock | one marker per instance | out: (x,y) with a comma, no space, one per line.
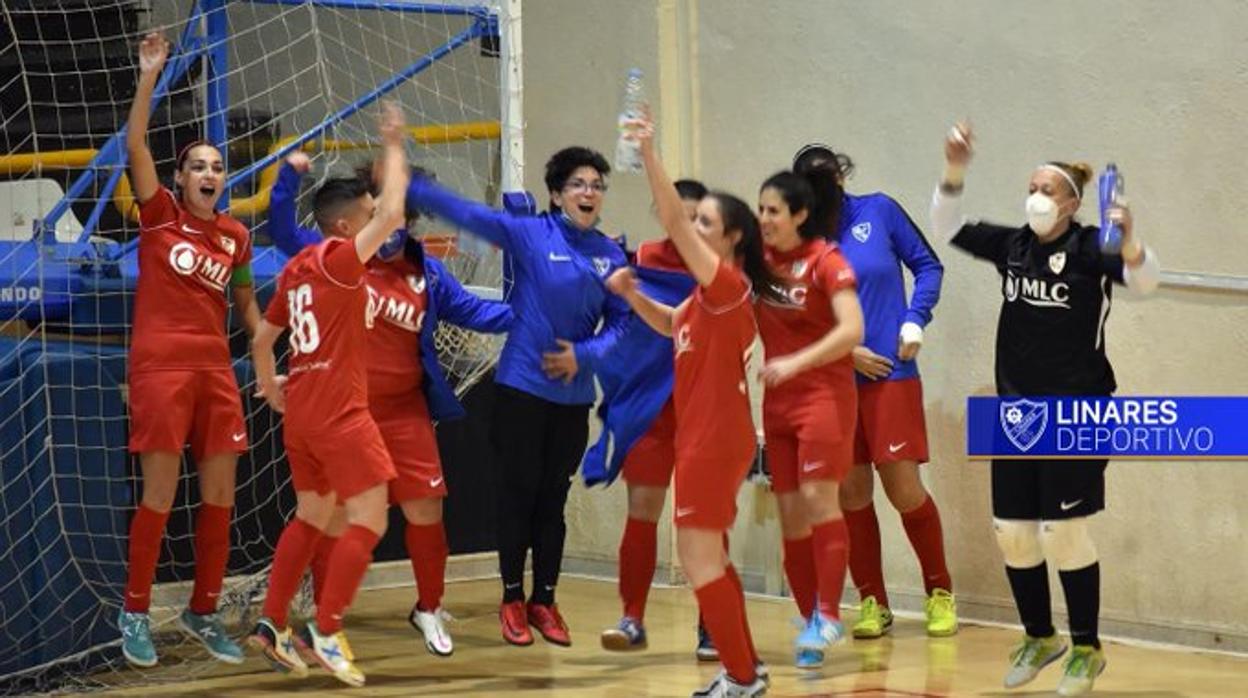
(923,529)
(212,553)
(799,569)
(831,548)
(347,566)
(864,554)
(638,553)
(721,611)
(294,551)
(320,566)
(426,546)
(731,573)
(146,530)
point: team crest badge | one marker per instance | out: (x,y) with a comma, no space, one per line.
(862,231)
(602,265)
(416,282)
(1057,262)
(799,268)
(227,244)
(1024,422)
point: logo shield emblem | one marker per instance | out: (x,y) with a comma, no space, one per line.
(1057,262)
(799,268)
(602,265)
(862,231)
(1023,422)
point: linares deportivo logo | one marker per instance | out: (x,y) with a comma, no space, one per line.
(862,231)
(1024,422)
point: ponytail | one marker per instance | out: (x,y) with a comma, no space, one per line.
(824,169)
(738,216)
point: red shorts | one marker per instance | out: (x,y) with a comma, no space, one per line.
(346,460)
(891,426)
(408,434)
(651,460)
(169,409)
(706,491)
(809,441)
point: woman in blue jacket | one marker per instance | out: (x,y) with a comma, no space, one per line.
(441,297)
(566,321)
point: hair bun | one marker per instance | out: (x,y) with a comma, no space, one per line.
(1083,173)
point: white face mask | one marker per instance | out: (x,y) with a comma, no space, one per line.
(1042,213)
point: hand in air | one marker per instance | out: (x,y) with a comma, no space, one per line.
(959,144)
(392,123)
(300,161)
(153,51)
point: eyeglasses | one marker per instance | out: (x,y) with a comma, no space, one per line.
(580,185)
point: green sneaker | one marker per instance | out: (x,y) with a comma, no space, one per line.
(136,638)
(1082,667)
(873,620)
(1030,657)
(942,614)
(209,631)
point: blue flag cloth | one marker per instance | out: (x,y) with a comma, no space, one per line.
(636,380)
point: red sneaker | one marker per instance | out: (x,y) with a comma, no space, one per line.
(549,623)
(515,626)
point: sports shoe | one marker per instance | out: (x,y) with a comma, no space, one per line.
(432,625)
(820,634)
(514,623)
(209,631)
(333,653)
(1034,654)
(722,686)
(278,647)
(706,651)
(873,620)
(136,638)
(942,614)
(1081,669)
(549,623)
(628,635)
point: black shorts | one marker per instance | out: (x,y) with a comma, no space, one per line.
(1047,490)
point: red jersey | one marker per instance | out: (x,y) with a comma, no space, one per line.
(712,337)
(397,299)
(321,298)
(185,263)
(660,254)
(816,271)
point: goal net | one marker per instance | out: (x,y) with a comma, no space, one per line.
(259,77)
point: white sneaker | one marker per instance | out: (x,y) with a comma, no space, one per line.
(722,686)
(278,647)
(432,625)
(333,653)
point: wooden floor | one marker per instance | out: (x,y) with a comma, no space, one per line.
(907,664)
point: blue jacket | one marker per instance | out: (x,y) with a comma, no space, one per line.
(877,237)
(636,380)
(447,300)
(556,290)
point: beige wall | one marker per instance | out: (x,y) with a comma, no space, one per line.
(1157,86)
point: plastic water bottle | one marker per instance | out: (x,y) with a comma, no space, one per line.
(1110,189)
(628,152)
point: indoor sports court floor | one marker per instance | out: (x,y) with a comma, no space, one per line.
(906,665)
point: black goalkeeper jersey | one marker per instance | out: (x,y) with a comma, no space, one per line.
(1051,331)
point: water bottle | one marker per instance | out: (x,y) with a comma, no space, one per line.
(1111,189)
(627,151)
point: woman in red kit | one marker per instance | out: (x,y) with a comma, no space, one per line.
(713,335)
(182,388)
(810,407)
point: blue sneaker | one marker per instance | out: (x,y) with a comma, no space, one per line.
(628,635)
(209,631)
(706,651)
(819,635)
(136,638)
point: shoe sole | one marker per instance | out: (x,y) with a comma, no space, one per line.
(310,657)
(616,641)
(135,661)
(555,641)
(942,633)
(707,656)
(227,658)
(266,650)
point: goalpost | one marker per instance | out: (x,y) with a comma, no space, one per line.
(258,78)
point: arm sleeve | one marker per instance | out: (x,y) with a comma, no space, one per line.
(496,227)
(459,306)
(1145,278)
(278,312)
(984,241)
(341,263)
(946,214)
(834,273)
(919,257)
(284,228)
(241,275)
(159,211)
(726,291)
(615,313)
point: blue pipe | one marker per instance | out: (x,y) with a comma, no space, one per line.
(100,205)
(217,100)
(391,5)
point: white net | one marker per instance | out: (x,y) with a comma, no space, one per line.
(67,485)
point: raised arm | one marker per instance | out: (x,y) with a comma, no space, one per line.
(658,316)
(698,256)
(394,180)
(461,307)
(284,228)
(153,51)
(946,210)
(490,224)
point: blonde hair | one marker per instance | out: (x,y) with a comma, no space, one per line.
(1078,174)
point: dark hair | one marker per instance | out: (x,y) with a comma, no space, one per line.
(824,169)
(562,164)
(364,171)
(1080,173)
(690,189)
(185,152)
(334,195)
(798,196)
(739,216)
(818,155)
